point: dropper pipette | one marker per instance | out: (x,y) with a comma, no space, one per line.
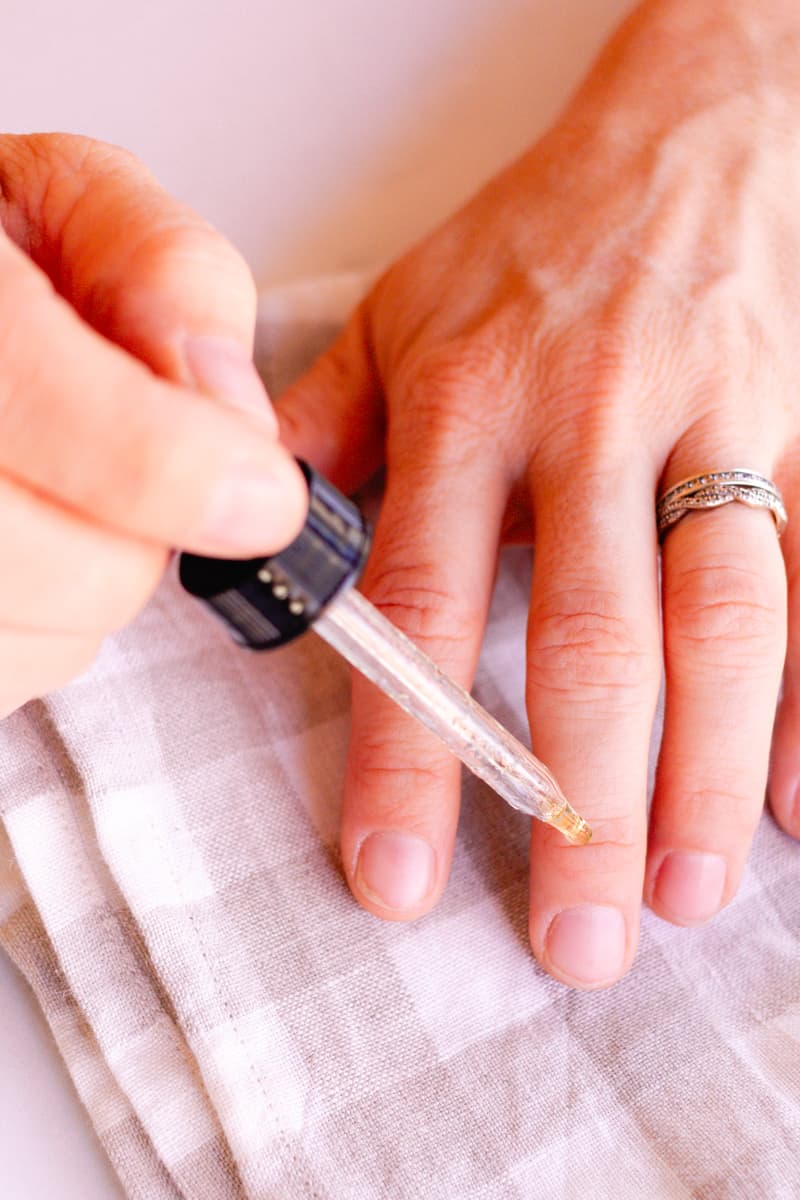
(268,601)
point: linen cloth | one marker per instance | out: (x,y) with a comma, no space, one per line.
(237,1027)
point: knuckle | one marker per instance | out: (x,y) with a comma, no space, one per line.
(724,607)
(445,397)
(51,177)
(394,767)
(612,842)
(55,155)
(413,596)
(589,381)
(617,840)
(721,800)
(713,803)
(596,363)
(452,366)
(178,253)
(580,646)
(23,156)
(30,164)
(382,762)
(79,155)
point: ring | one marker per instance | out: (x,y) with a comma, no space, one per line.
(716,488)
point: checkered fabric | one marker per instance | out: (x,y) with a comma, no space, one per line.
(237,1027)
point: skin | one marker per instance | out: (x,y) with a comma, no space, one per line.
(131,418)
(613,313)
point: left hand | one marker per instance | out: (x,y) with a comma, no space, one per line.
(615,312)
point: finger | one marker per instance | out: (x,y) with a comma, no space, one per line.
(33,664)
(334,415)
(89,426)
(431,572)
(724,641)
(141,267)
(64,574)
(784,776)
(593,677)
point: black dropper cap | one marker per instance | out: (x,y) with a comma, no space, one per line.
(266,602)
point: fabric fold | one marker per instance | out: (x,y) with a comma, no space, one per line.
(237,1028)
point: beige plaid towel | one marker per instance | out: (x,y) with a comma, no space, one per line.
(237,1027)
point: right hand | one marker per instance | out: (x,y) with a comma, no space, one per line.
(131,416)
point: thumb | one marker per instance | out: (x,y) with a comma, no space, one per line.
(333,416)
(139,266)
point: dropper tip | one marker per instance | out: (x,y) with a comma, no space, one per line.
(573,826)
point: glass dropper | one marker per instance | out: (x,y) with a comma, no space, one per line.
(377,648)
(268,601)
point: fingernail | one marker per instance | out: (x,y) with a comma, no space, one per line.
(222,368)
(397,870)
(586,944)
(245,511)
(689,885)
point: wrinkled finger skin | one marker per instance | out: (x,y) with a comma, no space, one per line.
(614,312)
(131,417)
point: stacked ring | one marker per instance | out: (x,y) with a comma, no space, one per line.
(716,488)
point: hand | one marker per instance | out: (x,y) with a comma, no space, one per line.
(131,418)
(616,311)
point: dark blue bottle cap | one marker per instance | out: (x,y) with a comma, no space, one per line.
(266,602)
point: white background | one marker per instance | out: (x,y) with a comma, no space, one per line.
(318,135)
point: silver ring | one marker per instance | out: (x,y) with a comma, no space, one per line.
(716,488)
